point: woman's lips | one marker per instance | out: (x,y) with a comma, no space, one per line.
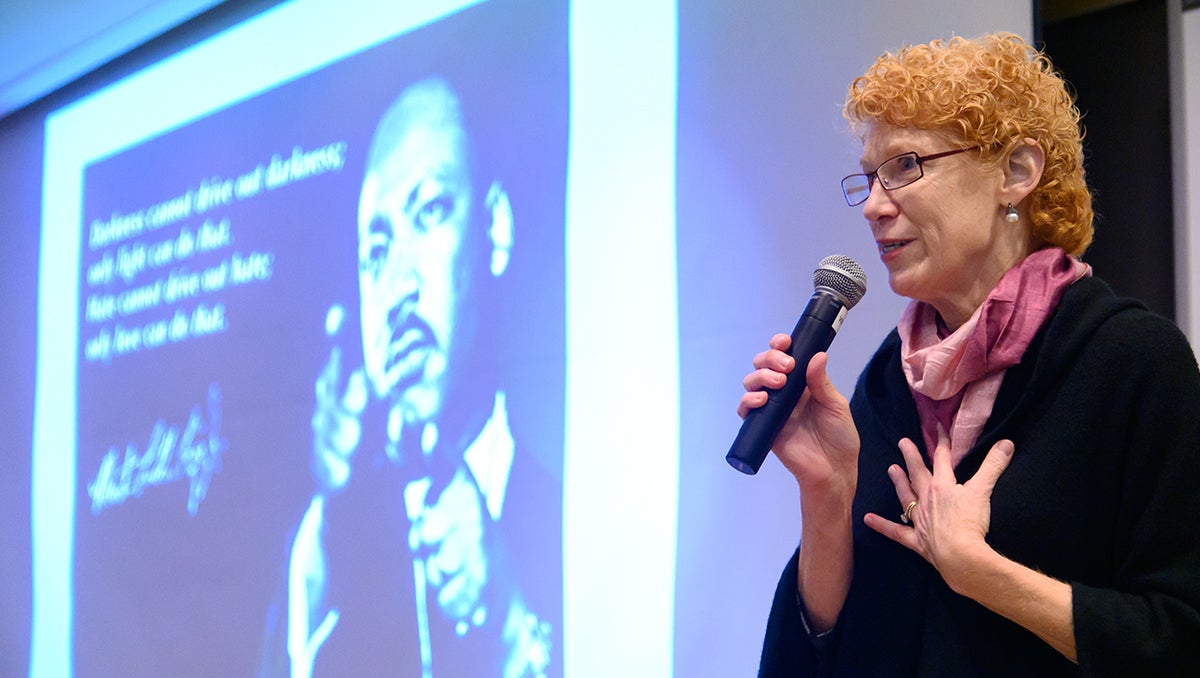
(886,248)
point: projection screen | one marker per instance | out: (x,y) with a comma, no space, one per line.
(306,284)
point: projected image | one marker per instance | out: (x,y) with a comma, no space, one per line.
(320,371)
(433,234)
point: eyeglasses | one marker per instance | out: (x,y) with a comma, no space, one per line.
(892,173)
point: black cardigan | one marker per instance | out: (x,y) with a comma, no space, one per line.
(1103,492)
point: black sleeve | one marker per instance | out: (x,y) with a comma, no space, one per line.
(1148,622)
(789,650)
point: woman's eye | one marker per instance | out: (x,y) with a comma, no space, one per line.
(906,163)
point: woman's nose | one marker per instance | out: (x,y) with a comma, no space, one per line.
(879,202)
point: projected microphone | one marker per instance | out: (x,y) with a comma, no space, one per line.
(840,282)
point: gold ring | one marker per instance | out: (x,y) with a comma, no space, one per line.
(906,517)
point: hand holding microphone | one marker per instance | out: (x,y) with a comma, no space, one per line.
(840,283)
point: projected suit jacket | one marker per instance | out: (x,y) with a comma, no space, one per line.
(371,584)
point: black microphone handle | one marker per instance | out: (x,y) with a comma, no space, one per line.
(813,333)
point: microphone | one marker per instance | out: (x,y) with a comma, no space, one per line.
(840,283)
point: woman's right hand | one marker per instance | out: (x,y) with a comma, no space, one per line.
(819,446)
(819,442)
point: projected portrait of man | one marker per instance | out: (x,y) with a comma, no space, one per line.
(432,546)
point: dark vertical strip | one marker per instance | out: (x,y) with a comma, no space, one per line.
(1116,62)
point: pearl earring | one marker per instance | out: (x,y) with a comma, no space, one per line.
(1010,214)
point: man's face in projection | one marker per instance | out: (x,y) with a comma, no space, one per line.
(415,254)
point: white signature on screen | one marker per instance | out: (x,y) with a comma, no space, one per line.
(172,453)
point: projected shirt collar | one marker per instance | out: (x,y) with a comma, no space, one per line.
(490,457)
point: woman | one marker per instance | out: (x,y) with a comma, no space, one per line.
(1012,489)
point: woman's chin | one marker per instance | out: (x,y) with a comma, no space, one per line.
(901,282)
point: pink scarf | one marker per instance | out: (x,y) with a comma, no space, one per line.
(955,378)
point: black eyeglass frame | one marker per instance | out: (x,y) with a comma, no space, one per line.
(873,175)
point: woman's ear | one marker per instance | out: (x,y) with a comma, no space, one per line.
(500,231)
(1022,170)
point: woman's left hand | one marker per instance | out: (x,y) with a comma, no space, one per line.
(949,521)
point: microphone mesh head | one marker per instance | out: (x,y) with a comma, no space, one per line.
(842,276)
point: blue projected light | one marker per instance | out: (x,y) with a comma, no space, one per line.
(228,431)
(196,256)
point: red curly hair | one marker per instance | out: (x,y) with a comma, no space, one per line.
(988,93)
